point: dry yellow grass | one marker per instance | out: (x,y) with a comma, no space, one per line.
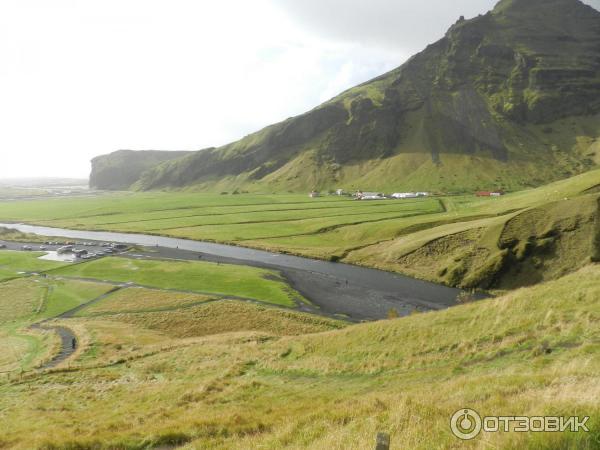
(229,316)
(142,299)
(334,389)
(103,341)
(20,298)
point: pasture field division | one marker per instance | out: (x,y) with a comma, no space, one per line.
(463,241)
(238,375)
(243,219)
(34,290)
(192,276)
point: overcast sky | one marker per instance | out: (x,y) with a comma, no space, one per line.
(80,78)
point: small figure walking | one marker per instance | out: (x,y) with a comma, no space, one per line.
(73,343)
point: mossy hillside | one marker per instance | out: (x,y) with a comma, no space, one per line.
(506,252)
(507,99)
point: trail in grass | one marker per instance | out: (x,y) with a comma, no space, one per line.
(68,339)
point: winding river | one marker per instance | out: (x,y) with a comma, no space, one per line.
(358,293)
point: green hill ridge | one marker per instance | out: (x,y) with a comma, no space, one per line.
(509,99)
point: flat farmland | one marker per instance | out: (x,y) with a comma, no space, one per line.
(372,233)
(253,220)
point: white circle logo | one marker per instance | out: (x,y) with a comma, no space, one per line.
(465,424)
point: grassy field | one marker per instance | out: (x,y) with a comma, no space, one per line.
(201,277)
(15,264)
(27,299)
(478,238)
(142,385)
(134,322)
(134,300)
(158,367)
(24,301)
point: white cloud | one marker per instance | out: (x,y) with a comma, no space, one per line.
(80,78)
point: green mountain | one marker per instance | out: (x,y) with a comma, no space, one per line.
(120,169)
(509,99)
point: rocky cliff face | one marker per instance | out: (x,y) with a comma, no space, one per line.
(120,169)
(506,100)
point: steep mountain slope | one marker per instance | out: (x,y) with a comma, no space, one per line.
(508,99)
(120,169)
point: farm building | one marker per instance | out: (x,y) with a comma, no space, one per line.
(360,195)
(410,194)
(405,195)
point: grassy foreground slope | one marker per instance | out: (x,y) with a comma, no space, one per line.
(533,352)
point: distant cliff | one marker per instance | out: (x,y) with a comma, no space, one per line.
(120,169)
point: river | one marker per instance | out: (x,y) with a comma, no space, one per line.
(359,293)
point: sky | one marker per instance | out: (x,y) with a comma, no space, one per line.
(81,78)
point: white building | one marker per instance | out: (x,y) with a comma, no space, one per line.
(405,195)
(410,194)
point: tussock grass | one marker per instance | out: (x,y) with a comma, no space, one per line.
(141,300)
(534,351)
(228,316)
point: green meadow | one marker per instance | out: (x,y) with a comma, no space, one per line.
(477,238)
(15,264)
(201,277)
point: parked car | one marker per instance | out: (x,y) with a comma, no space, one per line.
(2,245)
(26,247)
(42,247)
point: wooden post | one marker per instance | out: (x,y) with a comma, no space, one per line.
(383,441)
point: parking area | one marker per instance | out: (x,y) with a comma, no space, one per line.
(70,251)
